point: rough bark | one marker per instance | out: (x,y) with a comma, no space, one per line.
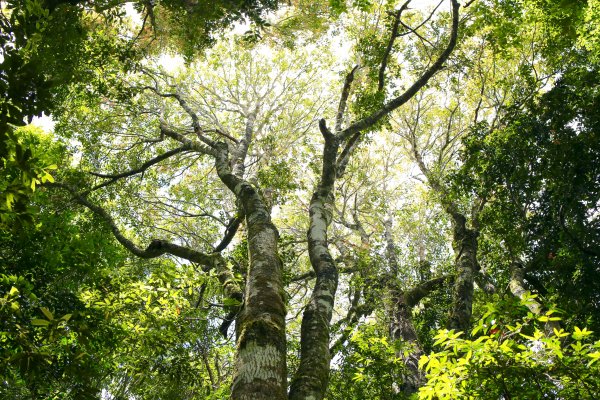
(312,377)
(260,369)
(402,328)
(464,243)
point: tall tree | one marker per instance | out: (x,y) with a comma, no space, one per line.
(196,126)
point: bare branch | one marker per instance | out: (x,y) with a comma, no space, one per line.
(195,121)
(413,30)
(230,231)
(114,177)
(224,134)
(311,274)
(325,130)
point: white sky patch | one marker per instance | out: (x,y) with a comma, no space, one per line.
(45,122)
(132,13)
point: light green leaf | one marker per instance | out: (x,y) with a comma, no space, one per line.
(47,313)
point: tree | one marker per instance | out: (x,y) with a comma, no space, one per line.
(356,243)
(260,320)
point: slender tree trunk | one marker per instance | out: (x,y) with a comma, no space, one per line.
(402,328)
(517,288)
(401,323)
(464,243)
(312,377)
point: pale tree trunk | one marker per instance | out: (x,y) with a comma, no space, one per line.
(312,377)
(517,288)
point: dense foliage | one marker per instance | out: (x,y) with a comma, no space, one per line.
(300,200)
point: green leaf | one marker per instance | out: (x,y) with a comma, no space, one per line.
(47,313)
(229,302)
(39,322)
(66,317)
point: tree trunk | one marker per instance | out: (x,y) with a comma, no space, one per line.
(402,328)
(517,288)
(260,367)
(464,243)
(312,377)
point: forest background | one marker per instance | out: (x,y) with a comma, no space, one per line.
(304,199)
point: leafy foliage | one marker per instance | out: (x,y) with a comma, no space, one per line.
(82,318)
(540,174)
(513,359)
(368,367)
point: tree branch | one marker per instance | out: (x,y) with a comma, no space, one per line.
(372,119)
(114,177)
(230,231)
(344,157)
(195,121)
(156,248)
(388,49)
(344,99)
(416,294)
(200,148)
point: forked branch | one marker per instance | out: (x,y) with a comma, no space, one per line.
(393,104)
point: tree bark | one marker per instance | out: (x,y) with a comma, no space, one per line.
(312,377)
(464,243)
(260,368)
(402,328)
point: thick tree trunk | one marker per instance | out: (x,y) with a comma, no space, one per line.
(464,242)
(260,368)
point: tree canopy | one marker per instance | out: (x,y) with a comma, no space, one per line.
(300,200)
